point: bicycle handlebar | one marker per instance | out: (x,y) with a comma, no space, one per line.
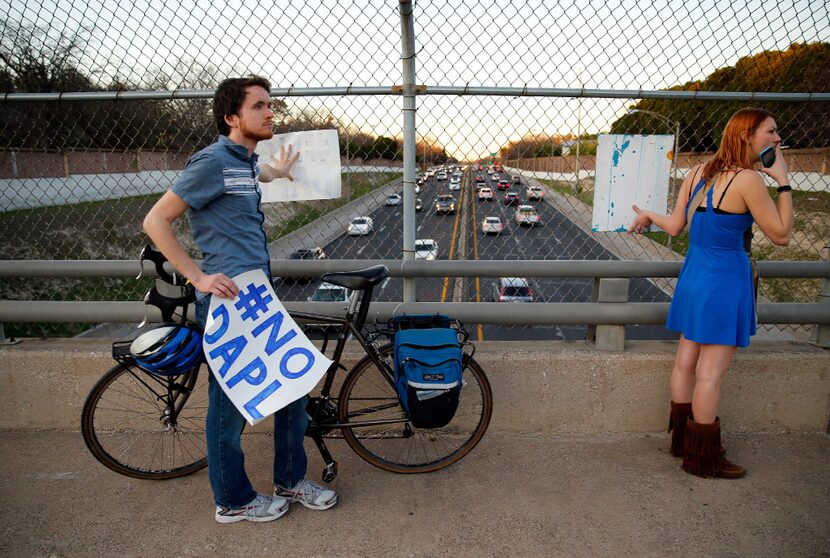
(158,259)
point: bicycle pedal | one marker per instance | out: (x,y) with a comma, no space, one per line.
(330,471)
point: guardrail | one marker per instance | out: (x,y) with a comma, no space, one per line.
(607,313)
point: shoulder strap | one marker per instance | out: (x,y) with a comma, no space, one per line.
(694,203)
(727,187)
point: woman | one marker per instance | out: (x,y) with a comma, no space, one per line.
(714,306)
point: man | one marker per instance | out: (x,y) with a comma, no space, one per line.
(219,190)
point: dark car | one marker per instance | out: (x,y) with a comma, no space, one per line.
(315,253)
(511,198)
(445,203)
(504,184)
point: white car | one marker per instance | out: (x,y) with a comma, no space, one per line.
(513,289)
(360,226)
(426,249)
(485,194)
(526,215)
(491,225)
(455,184)
(441,176)
(535,193)
(327,292)
(394,199)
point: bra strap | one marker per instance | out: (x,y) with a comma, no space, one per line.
(727,187)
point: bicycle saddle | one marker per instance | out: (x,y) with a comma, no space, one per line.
(357,280)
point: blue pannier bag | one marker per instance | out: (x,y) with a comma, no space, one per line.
(428,364)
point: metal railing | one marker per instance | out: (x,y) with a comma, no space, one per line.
(71,189)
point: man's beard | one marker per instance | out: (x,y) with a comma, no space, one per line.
(256,135)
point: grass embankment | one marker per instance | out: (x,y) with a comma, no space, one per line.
(811,229)
(111,230)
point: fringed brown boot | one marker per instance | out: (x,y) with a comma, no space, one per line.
(703,454)
(680,413)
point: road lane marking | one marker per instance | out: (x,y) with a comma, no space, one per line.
(480,330)
(452,242)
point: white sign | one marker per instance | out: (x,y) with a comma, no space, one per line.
(259,356)
(631,169)
(316,173)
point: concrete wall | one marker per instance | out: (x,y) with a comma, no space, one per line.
(553,387)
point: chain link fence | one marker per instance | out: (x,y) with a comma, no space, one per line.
(106,101)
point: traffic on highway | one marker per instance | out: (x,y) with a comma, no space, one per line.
(479,212)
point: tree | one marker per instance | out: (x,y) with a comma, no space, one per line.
(799,68)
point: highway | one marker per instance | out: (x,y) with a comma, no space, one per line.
(459,237)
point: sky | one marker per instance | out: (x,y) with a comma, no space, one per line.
(613,44)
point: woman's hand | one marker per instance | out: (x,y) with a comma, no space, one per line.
(642,221)
(779,171)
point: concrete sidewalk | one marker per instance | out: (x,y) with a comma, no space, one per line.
(514,495)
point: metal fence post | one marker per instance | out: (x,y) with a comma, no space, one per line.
(608,337)
(409,108)
(822,336)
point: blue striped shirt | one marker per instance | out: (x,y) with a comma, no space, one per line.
(220,184)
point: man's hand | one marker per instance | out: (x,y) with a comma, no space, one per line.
(280,166)
(218,284)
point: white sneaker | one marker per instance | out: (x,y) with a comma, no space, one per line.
(262,508)
(309,494)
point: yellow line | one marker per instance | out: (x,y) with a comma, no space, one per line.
(480,330)
(452,242)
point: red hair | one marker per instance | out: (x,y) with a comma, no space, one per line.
(734,150)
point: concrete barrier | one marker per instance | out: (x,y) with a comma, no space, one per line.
(539,387)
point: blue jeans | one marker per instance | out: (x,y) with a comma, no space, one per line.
(226,462)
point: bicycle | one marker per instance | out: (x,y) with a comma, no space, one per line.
(147,426)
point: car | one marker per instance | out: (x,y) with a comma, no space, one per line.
(504,184)
(479,178)
(516,179)
(394,199)
(315,253)
(417,188)
(441,176)
(360,226)
(535,193)
(526,215)
(491,225)
(426,249)
(455,184)
(495,177)
(511,198)
(445,203)
(327,292)
(485,194)
(513,289)
(418,204)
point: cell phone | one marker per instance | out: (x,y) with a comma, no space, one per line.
(767,157)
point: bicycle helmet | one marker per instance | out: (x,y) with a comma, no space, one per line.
(168,349)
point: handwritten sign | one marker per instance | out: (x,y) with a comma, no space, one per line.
(630,169)
(257,353)
(316,173)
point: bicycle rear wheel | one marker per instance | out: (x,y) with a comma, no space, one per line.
(367,394)
(146,426)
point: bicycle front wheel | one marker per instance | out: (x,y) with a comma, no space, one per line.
(146,426)
(392,442)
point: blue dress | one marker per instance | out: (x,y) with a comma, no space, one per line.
(714,300)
